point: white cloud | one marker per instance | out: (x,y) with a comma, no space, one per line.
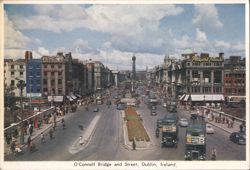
(43,51)
(114,19)
(206,17)
(201,36)
(14,39)
(222,44)
(81,46)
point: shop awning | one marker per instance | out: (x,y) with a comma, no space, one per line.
(186,98)
(207,97)
(55,98)
(69,98)
(73,97)
(182,97)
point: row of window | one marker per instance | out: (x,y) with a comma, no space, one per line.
(45,73)
(45,90)
(235,91)
(235,75)
(204,64)
(52,82)
(235,81)
(52,66)
(13,66)
(204,90)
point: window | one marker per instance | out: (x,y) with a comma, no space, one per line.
(45,66)
(52,73)
(38,90)
(45,73)
(45,90)
(59,81)
(38,73)
(52,82)
(52,66)
(38,81)
(59,91)
(12,83)
(12,73)
(59,73)
(31,73)
(21,73)
(60,66)
(12,66)
(21,66)
(44,81)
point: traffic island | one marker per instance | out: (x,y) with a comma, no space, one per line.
(135,135)
(85,137)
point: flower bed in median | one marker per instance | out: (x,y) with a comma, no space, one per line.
(134,125)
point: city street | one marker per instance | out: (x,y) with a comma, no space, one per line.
(107,142)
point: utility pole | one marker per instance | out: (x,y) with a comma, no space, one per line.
(20,85)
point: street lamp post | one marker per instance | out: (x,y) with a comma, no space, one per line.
(20,85)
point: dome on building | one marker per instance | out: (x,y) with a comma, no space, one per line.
(188,51)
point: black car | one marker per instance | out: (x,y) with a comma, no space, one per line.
(194,116)
(238,137)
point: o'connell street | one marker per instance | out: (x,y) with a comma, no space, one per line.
(125,82)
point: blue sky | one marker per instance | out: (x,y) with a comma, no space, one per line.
(113,33)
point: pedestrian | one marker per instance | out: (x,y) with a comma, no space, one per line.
(223,120)
(12,146)
(42,138)
(80,140)
(134,145)
(29,141)
(30,129)
(63,123)
(54,126)
(50,134)
(214,154)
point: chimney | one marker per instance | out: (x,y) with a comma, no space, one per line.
(221,55)
(28,56)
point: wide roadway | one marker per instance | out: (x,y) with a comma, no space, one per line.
(107,140)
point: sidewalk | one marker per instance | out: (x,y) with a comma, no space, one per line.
(222,126)
(36,134)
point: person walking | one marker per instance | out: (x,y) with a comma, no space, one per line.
(29,141)
(241,128)
(80,140)
(42,138)
(134,145)
(214,154)
(63,123)
(50,134)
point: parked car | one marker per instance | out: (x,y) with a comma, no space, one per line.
(209,129)
(153,112)
(238,137)
(194,116)
(164,104)
(183,122)
(158,123)
(96,109)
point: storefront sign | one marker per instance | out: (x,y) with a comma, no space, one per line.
(206,59)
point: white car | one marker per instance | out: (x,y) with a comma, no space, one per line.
(164,104)
(183,122)
(209,129)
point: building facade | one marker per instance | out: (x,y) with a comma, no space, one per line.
(235,76)
(34,78)
(14,71)
(54,75)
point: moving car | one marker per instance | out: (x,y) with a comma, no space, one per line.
(209,129)
(183,122)
(153,112)
(96,109)
(238,137)
(159,123)
(164,104)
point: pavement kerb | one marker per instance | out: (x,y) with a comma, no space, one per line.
(127,144)
(86,136)
(214,124)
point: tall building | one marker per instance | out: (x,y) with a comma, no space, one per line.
(34,78)
(54,75)
(235,76)
(14,71)
(133,68)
